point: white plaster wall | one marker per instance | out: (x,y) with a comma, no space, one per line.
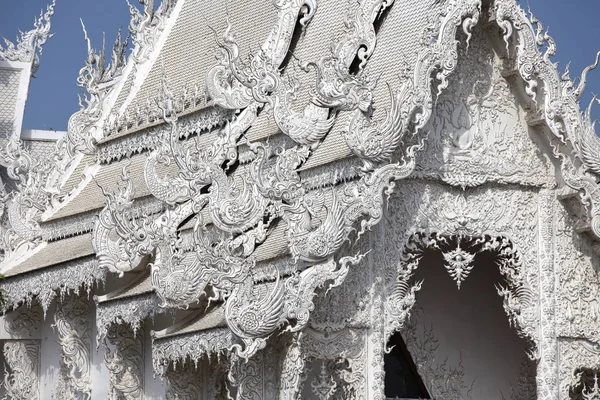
(154,388)
(470,324)
(49,357)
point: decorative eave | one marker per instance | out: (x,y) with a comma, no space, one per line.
(357,202)
(195,337)
(45,284)
(150,136)
(130,305)
(62,266)
(149,31)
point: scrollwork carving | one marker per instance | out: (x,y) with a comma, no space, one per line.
(21,379)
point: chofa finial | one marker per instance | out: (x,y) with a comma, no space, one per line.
(29,44)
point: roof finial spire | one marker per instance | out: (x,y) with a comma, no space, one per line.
(29,44)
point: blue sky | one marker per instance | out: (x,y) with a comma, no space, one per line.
(53,95)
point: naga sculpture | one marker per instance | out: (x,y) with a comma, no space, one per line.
(244,201)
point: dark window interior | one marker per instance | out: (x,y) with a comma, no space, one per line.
(401,377)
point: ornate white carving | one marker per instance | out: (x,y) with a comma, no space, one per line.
(238,192)
(560,108)
(244,208)
(45,284)
(98,81)
(145,28)
(576,356)
(195,346)
(342,357)
(478,132)
(459,263)
(127,311)
(71,321)
(126,362)
(474,217)
(29,44)
(21,375)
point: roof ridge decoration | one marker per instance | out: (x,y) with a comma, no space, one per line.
(98,81)
(580,167)
(242,210)
(29,44)
(145,29)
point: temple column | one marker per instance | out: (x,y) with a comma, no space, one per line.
(547,368)
(292,371)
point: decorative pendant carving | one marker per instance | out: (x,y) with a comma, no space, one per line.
(459,263)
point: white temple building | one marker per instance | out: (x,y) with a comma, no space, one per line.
(304,199)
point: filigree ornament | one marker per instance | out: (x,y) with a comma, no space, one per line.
(335,86)
(231,84)
(375,142)
(518,297)
(98,81)
(72,325)
(145,27)
(561,109)
(121,237)
(292,371)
